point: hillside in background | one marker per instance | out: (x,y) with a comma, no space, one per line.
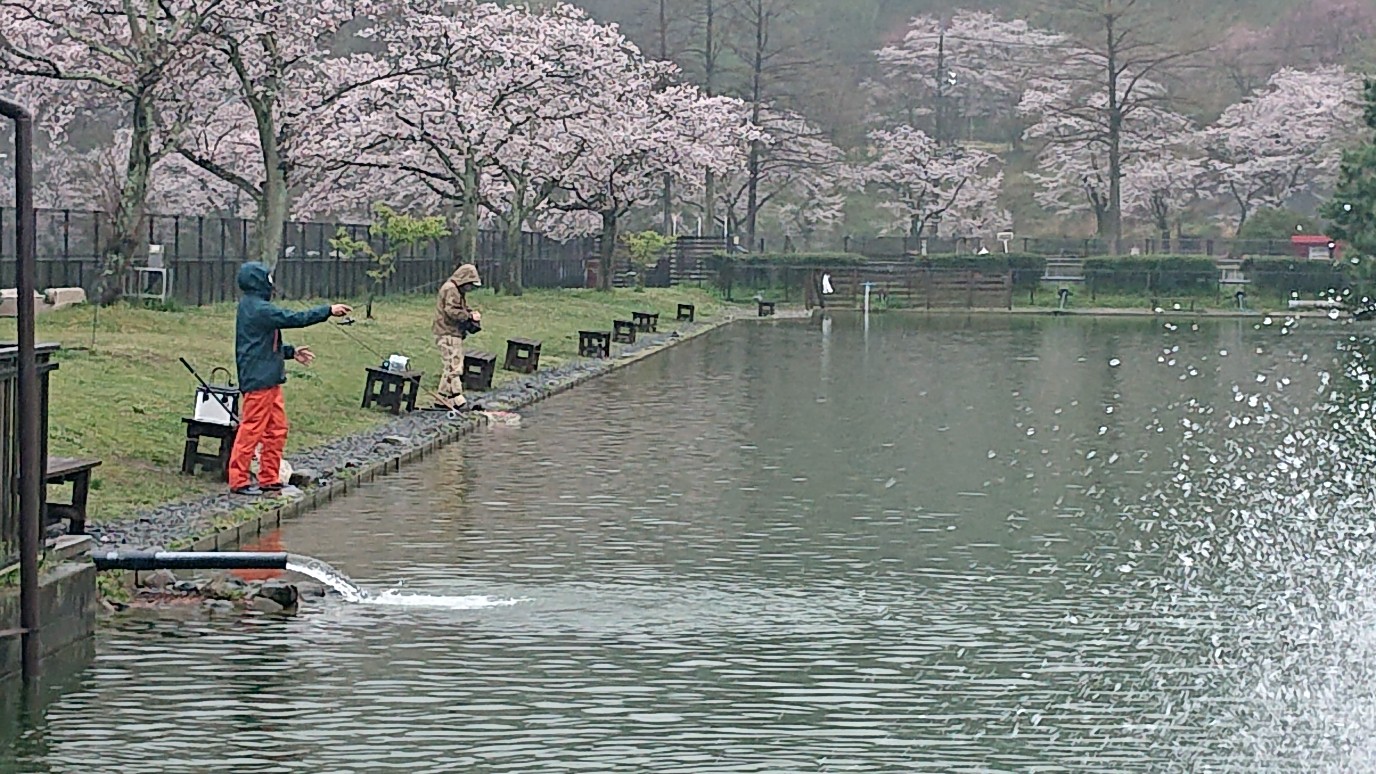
(819,57)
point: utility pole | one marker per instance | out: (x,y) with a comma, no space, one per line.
(944,80)
(668,225)
(940,116)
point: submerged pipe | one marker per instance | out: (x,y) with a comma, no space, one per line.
(189,560)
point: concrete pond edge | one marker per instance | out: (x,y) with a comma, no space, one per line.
(255,525)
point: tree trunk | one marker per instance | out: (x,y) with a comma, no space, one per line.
(468,215)
(608,251)
(1114,219)
(274,205)
(126,232)
(756,98)
(668,226)
(709,203)
(752,196)
(513,253)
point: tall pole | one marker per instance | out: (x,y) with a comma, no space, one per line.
(30,466)
(941,87)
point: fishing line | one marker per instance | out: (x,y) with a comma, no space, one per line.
(343,327)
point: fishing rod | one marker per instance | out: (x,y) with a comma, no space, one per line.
(343,327)
(223,401)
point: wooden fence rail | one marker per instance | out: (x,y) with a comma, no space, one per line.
(9,438)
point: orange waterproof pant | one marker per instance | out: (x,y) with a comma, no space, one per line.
(263,420)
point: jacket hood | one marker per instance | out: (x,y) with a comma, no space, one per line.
(465,274)
(253,278)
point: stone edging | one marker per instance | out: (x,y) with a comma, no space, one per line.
(253,527)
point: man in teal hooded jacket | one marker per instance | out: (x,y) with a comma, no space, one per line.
(260,356)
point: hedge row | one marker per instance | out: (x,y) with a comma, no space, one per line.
(1027,269)
(791,260)
(1156,274)
(1288,275)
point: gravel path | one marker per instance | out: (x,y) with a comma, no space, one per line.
(166,524)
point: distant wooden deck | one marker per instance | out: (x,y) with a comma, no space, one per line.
(905,286)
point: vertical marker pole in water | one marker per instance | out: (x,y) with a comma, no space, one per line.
(826,348)
(868,285)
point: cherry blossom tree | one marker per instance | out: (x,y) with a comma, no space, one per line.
(480,118)
(802,219)
(94,179)
(1089,141)
(116,58)
(795,162)
(638,138)
(1285,138)
(1104,99)
(1159,187)
(266,76)
(921,181)
(974,65)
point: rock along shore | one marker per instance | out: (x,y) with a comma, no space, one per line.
(330,470)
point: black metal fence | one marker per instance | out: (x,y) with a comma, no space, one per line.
(203,255)
(1320,286)
(9,439)
(895,247)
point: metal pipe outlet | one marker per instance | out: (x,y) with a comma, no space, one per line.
(189,560)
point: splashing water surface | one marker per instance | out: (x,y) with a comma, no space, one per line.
(352,592)
(472,602)
(314,568)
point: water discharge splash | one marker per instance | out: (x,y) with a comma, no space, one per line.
(474,602)
(351,592)
(314,568)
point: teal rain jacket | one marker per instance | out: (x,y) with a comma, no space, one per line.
(259,352)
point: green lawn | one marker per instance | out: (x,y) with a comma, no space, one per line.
(123,399)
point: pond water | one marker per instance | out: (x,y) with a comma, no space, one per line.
(948,544)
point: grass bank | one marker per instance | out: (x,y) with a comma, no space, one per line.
(120,393)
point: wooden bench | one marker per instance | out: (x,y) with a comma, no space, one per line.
(687,313)
(646,322)
(77,472)
(391,389)
(478,370)
(594,344)
(766,308)
(522,356)
(623,331)
(192,455)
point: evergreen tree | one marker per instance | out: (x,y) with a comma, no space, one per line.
(1352,210)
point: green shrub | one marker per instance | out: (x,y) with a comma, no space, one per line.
(794,260)
(1283,276)
(1027,269)
(1163,275)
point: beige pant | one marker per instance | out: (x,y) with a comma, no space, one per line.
(450,390)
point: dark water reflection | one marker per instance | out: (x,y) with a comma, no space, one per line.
(945,545)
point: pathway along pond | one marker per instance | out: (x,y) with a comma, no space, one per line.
(951,544)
